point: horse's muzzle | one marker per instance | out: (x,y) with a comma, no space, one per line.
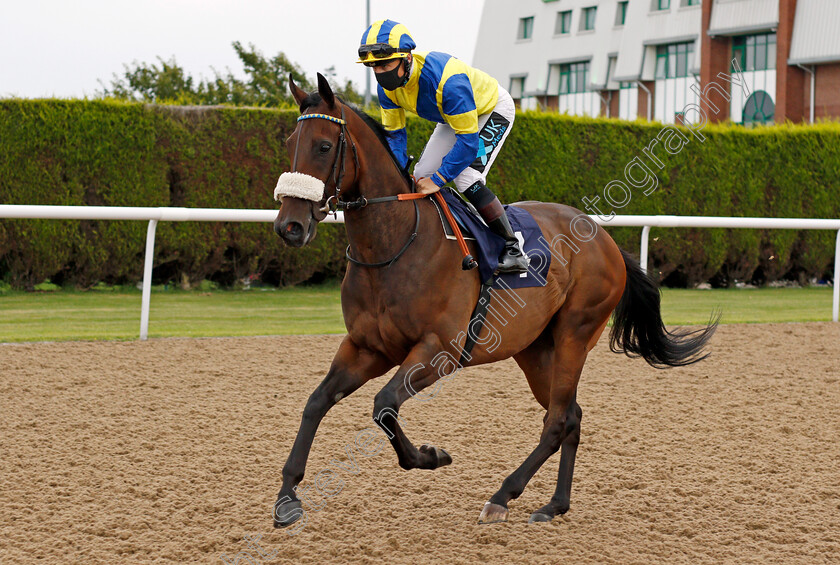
(296,222)
(291,232)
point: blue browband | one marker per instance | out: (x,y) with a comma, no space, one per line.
(323,117)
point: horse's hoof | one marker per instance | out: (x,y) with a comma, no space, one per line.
(539,517)
(493,513)
(441,457)
(287,513)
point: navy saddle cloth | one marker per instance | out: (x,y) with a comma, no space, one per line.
(490,245)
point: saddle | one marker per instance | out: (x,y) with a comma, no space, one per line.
(489,245)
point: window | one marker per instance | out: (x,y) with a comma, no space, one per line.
(689,3)
(563,24)
(755,52)
(526,28)
(674,60)
(587,18)
(658,5)
(759,109)
(621,13)
(517,87)
(573,77)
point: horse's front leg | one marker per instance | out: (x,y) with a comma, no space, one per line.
(351,368)
(426,363)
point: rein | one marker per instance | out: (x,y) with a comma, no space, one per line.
(390,261)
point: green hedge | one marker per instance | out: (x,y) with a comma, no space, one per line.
(780,171)
(120,154)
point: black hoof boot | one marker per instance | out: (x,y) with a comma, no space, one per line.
(549,511)
(287,513)
(435,457)
(539,517)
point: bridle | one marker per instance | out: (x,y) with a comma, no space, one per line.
(340,155)
(334,202)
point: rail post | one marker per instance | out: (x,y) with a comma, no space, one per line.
(835,308)
(147,279)
(643,252)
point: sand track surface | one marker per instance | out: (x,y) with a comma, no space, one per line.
(170,451)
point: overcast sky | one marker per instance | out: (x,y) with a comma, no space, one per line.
(63,48)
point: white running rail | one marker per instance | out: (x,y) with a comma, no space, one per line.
(155,215)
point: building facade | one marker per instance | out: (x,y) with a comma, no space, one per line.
(748,61)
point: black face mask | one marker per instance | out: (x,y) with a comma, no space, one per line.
(391,80)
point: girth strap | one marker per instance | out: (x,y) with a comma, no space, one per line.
(476,323)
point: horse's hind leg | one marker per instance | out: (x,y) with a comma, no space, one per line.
(569,355)
(351,368)
(562,495)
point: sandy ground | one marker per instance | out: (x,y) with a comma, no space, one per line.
(170,451)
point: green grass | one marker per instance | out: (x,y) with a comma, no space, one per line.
(71,315)
(116,315)
(758,305)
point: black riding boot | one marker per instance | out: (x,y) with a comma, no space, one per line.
(512,259)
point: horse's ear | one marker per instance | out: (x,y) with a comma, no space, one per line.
(298,93)
(325,91)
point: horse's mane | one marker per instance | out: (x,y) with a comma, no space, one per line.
(315,99)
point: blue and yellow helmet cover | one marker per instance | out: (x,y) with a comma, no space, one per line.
(385,39)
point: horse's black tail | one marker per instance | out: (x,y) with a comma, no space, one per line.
(638,330)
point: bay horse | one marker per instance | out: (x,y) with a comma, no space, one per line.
(406,300)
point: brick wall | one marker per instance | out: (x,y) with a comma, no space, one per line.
(827,103)
(715,54)
(790,80)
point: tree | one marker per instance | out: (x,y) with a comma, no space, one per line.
(153,83)
(265,85)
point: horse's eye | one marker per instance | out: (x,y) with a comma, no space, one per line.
(325,147)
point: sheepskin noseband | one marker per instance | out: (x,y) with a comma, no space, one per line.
(299,185)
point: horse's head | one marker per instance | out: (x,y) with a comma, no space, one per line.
(324,163)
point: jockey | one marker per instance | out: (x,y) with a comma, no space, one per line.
(474,115)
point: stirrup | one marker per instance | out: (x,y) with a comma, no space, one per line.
(516,263)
